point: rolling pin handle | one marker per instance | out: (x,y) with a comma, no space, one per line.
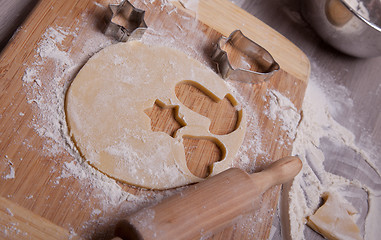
(281,171)
(216,202)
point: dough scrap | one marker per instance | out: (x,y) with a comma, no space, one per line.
(105,114)
(333,220)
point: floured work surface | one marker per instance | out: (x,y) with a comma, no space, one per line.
(107,108)
(41,170)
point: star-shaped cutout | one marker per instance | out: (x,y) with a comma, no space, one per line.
(165,118)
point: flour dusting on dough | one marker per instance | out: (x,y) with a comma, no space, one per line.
(100,106)
(47,101)
(115,202)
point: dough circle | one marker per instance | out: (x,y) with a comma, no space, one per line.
(105,114)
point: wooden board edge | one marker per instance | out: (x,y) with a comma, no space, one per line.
(24,224)
(227,34)
(225,17)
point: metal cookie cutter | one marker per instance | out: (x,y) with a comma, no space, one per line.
(124,21)
(241,59)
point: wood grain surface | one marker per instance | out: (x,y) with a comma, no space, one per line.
(64,204)
(216,203)
(16,219)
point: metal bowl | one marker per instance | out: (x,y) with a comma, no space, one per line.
(351,26)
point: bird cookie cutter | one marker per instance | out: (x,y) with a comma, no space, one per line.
(239,58)
(124,21)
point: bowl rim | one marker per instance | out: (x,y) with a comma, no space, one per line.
(371,24)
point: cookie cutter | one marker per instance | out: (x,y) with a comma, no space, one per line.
(124,21)
(239,48)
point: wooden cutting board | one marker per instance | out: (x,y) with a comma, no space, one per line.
(70,204)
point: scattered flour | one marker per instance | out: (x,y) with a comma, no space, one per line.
(252,145)
(11,174)
(45,82)
(10,213)
(301,198)
(96,212)
(282,109)
(191,5)
(99,5)
(307,130)
(47,96)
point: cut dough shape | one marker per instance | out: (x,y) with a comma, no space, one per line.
(105,114)
(333,220)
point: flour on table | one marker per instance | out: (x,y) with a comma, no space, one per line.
(9,212)
(317,123)
(105,111)
(45,91)
(248,153)
(190,5)
(48,120)
(11,174)
(280,108)
(96,212)
(301,198)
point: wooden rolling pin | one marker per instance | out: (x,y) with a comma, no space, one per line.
(206,207)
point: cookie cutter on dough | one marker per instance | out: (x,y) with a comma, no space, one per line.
(245,48)
(125,21)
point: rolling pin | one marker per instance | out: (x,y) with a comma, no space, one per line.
(208,206)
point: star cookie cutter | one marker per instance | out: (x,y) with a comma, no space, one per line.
(239,58)
(124,21)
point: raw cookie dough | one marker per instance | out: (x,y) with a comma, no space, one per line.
(333,220)
(105,113)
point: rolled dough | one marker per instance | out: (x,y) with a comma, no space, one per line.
(334,219)
(105,114)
